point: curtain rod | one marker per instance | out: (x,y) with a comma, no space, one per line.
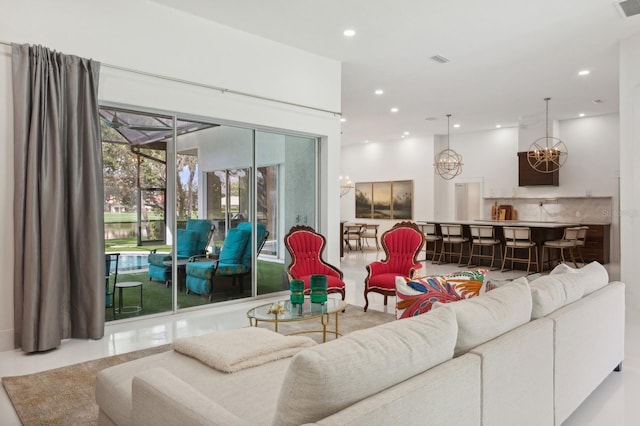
(208,86)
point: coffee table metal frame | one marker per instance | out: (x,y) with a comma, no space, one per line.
(303,312)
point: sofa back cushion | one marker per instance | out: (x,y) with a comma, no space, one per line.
(594,277)
(552,292)
(491,314)
(327,378)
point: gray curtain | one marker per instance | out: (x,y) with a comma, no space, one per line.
(58,199)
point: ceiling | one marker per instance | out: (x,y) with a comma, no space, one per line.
(505,56)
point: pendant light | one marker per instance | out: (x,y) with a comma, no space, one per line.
(547,154)
(448,163)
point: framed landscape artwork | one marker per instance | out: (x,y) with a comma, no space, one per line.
(384,200)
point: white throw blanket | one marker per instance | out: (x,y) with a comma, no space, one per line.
(234,350)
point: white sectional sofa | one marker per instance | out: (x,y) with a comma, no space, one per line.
(525,354)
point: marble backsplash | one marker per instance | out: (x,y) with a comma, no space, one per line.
(586,210)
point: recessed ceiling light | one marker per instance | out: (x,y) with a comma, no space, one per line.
(349,33)
(366,141)
(379,92)
(343,119)
(406,133)
(498,126)
(456,125)
(394,109)
(584,72)
(581,114)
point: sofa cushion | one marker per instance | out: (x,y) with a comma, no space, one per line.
(187,243)
(325,379)
(492,284)
(594,276)
(491,314)
(417,296)
(552,292)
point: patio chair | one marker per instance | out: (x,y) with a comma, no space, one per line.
(111,259)
(306,246)
(191,241)
(233,262)
(402,243)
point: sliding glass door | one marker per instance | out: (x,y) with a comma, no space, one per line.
(217,182)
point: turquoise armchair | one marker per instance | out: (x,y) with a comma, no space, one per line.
(234,260)
(191,241)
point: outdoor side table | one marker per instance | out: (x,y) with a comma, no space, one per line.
(128,309)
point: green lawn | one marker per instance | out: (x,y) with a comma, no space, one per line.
(157,297)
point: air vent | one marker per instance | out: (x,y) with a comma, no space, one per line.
(431,119)
(441,59)
(628,8)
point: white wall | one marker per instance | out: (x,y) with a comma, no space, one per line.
(489,157)
(145,36)
(406,159)
(629,213)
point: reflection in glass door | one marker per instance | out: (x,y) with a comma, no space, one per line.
(286,196)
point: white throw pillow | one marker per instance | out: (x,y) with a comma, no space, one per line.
(552,292)
(491,314)
(327,378)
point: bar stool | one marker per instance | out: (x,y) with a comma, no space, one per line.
(519,238)
(452,235)
(484,236)
(581,242)
(568,242)
(431,236)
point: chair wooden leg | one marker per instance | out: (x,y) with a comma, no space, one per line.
(366,300)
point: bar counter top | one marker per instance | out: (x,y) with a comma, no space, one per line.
(532,224)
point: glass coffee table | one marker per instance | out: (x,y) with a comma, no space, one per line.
(299,312)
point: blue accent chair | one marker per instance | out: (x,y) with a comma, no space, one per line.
(234,260)
(191,241)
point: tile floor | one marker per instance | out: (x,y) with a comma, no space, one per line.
(613,403)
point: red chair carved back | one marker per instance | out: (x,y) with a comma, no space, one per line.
(402,243)
(305,247)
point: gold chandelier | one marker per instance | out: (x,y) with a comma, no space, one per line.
(448,163)
(547,154)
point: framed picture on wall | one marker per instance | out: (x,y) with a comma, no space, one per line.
(384,200)
(402,199)
(364,197)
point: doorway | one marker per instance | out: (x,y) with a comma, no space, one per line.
(468,200)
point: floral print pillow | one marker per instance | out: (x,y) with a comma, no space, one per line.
(417,296)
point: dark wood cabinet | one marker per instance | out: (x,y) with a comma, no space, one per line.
(597,243)
(528,176)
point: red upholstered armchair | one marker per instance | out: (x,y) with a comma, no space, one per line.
(402,243)
(306,247)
